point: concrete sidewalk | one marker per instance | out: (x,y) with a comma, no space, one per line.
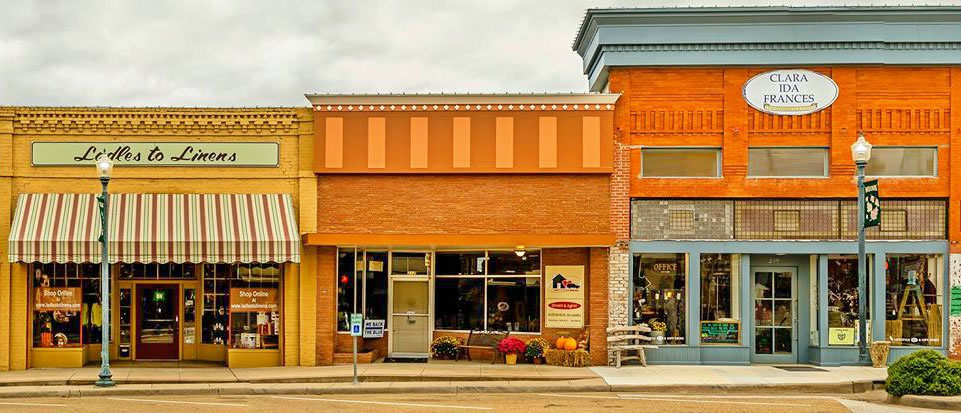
(440,377)
(377,372)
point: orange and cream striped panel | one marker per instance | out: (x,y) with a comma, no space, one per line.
(161,228)
(466,142)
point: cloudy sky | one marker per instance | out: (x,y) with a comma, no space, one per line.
(265,53)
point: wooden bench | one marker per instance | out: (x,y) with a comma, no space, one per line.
(627,339)
(481,339)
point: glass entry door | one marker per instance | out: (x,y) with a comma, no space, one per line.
(410,318)
(158,322)
(775,315)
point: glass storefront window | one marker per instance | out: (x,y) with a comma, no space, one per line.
(720,306)
(513,304)
(509,263)
(843,326)
(216,303)
(346,287)
(169,271)
(459,303)
(660,295)
(913,312)
(375,282)
(461,263)
(67,310)
(508,291)
(255,306)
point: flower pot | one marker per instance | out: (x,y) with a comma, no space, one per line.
(879,353)
(511,358)
(537,360)
(657,337)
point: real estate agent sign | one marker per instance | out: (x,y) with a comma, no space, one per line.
(565,296)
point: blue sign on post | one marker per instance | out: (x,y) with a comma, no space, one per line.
(356,324)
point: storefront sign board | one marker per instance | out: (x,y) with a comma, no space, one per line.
(564,296)
(720,332)
(57,299)
(790,92)
(207,154)
(872,204)
(838,336)
(248,300)
(374,328)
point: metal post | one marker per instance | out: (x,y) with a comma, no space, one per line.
(355,358)
(106,378)
(862,273)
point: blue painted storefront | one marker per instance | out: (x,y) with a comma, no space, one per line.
(787,254)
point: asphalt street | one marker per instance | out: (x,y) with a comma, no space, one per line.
(546,402)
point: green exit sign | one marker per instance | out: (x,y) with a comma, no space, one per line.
(159,296)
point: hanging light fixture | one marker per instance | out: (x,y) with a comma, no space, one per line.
(519,250)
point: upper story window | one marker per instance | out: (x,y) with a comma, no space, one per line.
(680,162)
(787,162)
(903,161)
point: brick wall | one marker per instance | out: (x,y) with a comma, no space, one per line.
(326,304)
(954,345)
(463,204)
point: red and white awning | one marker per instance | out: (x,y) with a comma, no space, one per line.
(161,228)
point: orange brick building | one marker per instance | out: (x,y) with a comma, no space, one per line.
(738,125)
(447,214)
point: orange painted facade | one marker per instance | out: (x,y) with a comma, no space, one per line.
(465,173)
(691,107)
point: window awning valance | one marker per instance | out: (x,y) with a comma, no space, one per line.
(159,228)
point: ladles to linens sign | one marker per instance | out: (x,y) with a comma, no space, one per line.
(790,92)
(208,154)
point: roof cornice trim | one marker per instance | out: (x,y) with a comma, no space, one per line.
(448,101)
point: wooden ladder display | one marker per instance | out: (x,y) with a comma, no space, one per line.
(913,292)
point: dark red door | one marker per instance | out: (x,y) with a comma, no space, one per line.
(158,322)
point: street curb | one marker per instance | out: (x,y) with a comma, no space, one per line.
(305,379)
(438,387)
(927,402)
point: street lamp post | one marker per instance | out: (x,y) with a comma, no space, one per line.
(104,167)
(861,152)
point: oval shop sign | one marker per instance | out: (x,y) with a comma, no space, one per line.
(790,92)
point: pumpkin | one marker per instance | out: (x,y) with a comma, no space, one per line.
(570,344)
(561,341)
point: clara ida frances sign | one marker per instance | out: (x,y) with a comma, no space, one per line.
(209,154)
(790,92)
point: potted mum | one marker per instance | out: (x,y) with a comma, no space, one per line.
(511,347)
(657,334)
(535,350)
(444,348)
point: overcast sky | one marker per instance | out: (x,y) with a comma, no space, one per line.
(266,53)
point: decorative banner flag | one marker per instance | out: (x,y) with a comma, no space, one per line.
(872,204)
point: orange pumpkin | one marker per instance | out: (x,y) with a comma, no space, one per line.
(561,341)
(570,344)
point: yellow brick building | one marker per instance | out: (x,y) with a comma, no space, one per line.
(266,151)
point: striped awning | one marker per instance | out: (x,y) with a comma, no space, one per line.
(147,228)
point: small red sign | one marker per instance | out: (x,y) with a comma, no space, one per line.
(564,305)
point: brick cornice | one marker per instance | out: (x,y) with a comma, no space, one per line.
(157,121)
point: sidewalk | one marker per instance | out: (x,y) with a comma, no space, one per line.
(438,377)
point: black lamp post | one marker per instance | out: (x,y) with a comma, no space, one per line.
(104,167)
(861,152)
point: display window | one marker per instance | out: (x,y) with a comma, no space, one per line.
(720,304)
(913,312)
(255,306)
(843,328)
(67,306)
(362,283)
(660,294)
(488,290)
